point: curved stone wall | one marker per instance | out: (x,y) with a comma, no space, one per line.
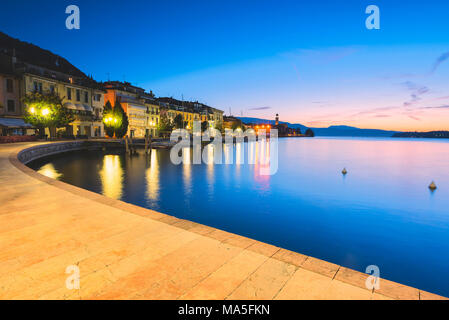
(44,150)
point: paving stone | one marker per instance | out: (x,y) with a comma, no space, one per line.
(304,285)
(265,282)
(224,280)
(263,248)
(352,277)
(291,257)
(397,291)
(320,266)
(424,295)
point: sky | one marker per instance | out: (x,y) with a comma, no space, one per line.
(312,62)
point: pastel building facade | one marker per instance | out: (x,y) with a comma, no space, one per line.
(141,108)
(192,111)
(25,68)
(85,101)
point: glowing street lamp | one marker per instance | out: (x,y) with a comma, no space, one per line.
(32,110)
(110,120)
(45,112)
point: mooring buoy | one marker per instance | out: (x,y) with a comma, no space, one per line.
(345,172)
(433,186)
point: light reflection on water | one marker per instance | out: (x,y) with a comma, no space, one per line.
(381,213)
(112,177)
(49,170)
(153,178)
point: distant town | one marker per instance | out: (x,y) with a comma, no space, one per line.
(29,72)
(26,69)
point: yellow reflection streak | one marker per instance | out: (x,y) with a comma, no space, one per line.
(49,171)
(239,156)
(187,171)
(153,178)
(228,154)
(111,176)
(210,168)
(251,152)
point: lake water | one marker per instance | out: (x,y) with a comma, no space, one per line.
(381,213)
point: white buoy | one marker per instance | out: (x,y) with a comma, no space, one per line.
(433,186)
(345,172)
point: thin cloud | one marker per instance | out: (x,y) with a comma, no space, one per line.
(259,108)
(416,92)
(442,98)
(438,107)
(373,111)
(436,64)
(414,118)
(439,61)
(318,122)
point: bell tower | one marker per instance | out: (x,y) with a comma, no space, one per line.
(277,119)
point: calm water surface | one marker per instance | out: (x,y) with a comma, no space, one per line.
(381,213)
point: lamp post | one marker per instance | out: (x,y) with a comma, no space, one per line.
(111,121)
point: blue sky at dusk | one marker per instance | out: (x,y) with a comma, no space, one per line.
(312,62)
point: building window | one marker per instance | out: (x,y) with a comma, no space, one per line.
(86,97)
(78,95)
(11,106)
(69,94)
(52,89)
(9,86)
(38,86)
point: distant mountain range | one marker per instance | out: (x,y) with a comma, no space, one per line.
(336,131)
(432,134)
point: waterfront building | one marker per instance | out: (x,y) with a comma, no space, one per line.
(11,122)
(26,68)
(192,111)
(231,122)
(218,118)
(183,108)
(153,114)
(213,116)
(283,129)
(133,101)
(80,95)
(32,69)
(97,107)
